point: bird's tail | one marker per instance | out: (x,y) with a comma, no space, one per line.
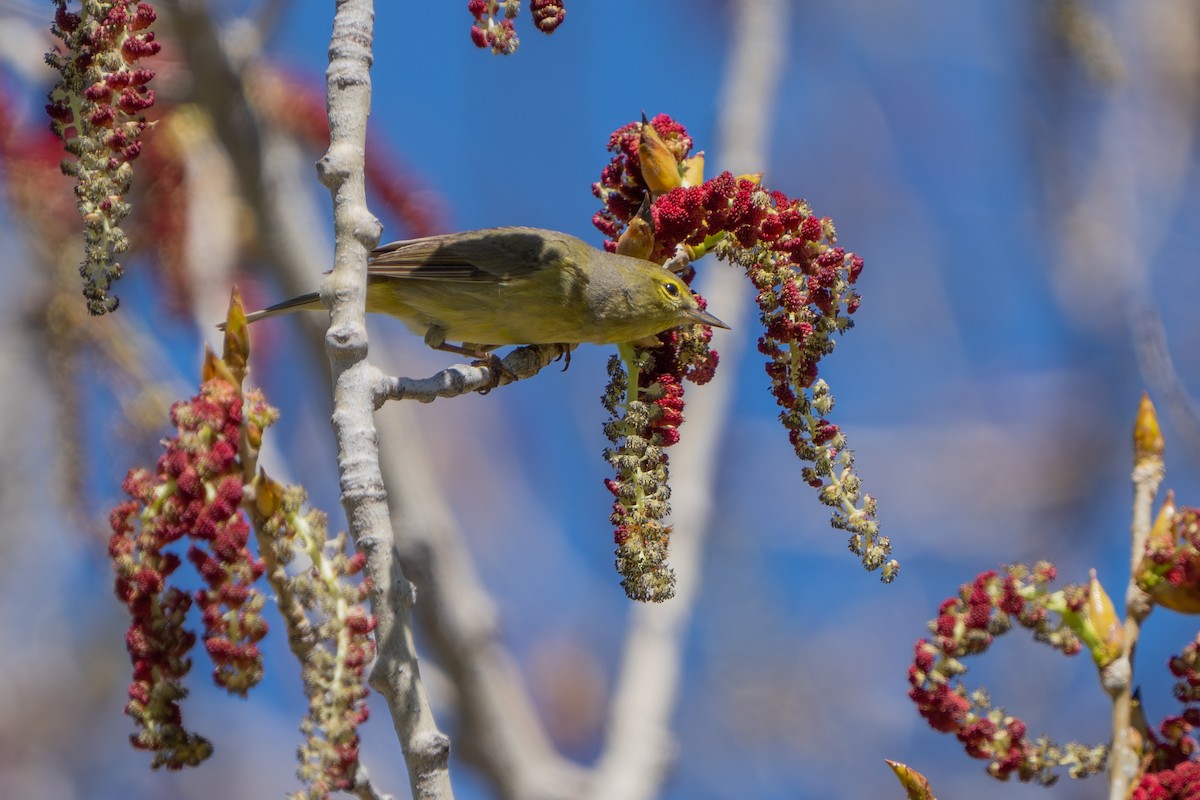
(312,300)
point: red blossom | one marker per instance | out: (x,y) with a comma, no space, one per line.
(942,708)
(824,432)
(360,622)
(356,563)
(137,47)
(1011,602)
(547,14)
(802,280)
(67,21)
(1181,782)
(964,626)
(924,661)
(143,17)
(187,496)
(133,100)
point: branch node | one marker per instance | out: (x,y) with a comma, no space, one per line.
(351,340)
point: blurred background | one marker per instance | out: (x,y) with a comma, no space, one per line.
(1018,176)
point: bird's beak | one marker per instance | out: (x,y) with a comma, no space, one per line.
(701,317)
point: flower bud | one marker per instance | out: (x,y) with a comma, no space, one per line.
(268,494)
(1100,614)
(1147,437)
(660,169)
(1162,535)
(1182,599)
(637,240)
(215,368)
(916,786)
(236,350)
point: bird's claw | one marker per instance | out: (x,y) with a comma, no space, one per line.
(496,370)
(564,353)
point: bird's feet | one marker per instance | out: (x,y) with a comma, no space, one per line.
(564,353)
(496,370)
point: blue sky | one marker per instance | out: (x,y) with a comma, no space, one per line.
(988,386)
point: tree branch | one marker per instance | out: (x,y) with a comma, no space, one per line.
(396,675)
(460,379)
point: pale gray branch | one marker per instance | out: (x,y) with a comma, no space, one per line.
(460,379)
(396,674)
(500,731)
(364,789)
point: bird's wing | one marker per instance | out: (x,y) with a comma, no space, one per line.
(497,255)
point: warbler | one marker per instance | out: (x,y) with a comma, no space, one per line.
(502,286)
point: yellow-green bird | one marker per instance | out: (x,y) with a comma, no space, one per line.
(502,286)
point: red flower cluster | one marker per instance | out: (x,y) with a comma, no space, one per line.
(1170,568)
(1174,744)
(231,607)
(96,109)
(196,492)
(803,285)
(1178,783)
(737,207)
(500,36)
(942,707)
(101,76)
(547,14)
(966,625)
(1186,667)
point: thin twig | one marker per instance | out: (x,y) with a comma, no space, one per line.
(460,379)
(1147,475)
(363,789)
(1124,761)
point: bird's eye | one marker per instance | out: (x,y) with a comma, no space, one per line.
(671,289)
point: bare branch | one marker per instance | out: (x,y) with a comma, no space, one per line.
(1148,471)
(396,674)
(364,789)
(460,379)
(500,730)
